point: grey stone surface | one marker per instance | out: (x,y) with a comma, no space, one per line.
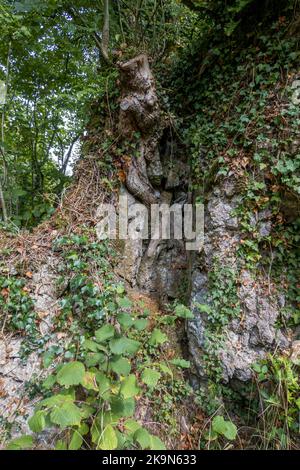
(254,333)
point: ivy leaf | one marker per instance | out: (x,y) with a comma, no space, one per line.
(37,422)
(150,377)
(120,365)
(108,440)
(21,443)
(71,374)
(129,387)
(157,337)
(124,346)
(67,415)
(104,333)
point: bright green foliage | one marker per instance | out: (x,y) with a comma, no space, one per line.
(89,396)
(157,337)
(21,443)
(224,428)
(278,399)
(150,377)
(71,374)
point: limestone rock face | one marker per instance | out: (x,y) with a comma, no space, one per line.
(253,333)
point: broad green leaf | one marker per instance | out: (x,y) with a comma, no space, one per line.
(156,443)
(76,441)
(20,443)
(120,365)
(157,337)
(125,320)
(141,324)
(104,385)
(129,387)
(132,426)
(104,333)
(37,422)
(225,428)
(90,345)
(150,377)
(57,400)
(49,382)
(71,374)
(124,346)
(122,408)
(181,363)
(142,437)
(67,415)
(108,440)
(93,359)
(89,381)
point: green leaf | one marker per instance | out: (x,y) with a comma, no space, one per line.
(108,440)
(125,320)
(49,382)
(182,311)
(93,359)
(156,443)
(131,426)
(57,400)
(60,445)
(120,365)
(142,437)
(104,333)
(181,363)
(71,374)
(122,408)
(157,337)
(20,443)
(90,345)
(124,302)
(89,381)
(150,377)
(37,422)
(225,428)
(104,385)
(129,387)
(165,369)
(124,346)
(67,415)
(141,324)
(76,441)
